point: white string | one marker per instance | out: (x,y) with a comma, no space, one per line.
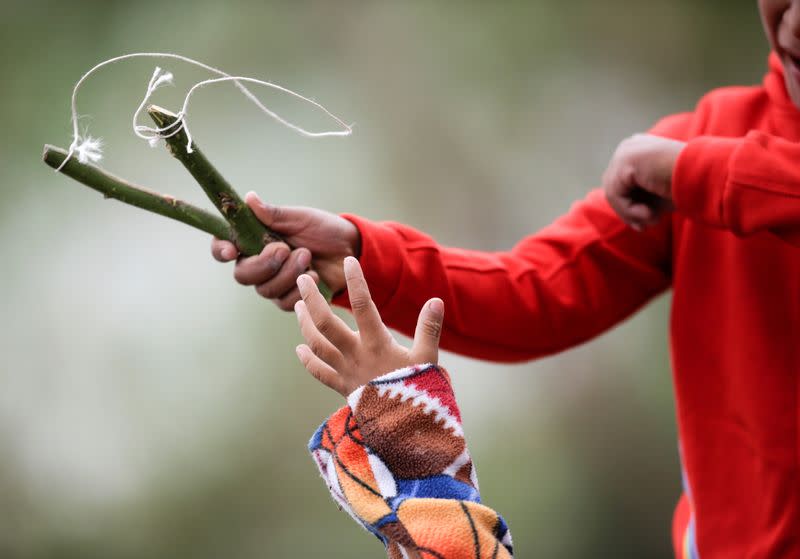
(90,149)
(156,81)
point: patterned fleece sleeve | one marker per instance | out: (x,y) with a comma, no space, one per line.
(395,459)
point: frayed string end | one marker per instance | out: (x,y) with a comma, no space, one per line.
(161,77)
(89,150)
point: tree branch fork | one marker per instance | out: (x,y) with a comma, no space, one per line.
(237,222)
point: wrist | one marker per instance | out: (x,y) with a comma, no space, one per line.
(330,266)
(351,246)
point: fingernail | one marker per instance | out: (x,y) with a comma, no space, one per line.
(437,306)
(349,264)
(227,253)
(302,284)
(303,260)
(278,258)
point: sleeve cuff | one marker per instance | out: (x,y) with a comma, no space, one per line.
(700,178)
(396,460)
(398,437)
(381,259)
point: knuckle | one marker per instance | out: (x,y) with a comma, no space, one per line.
(432,328)
(240,275)
(628,172)
(316,372)
(276,213)
(324,325)
(268,291)
(275,254)
(315,346)
(375,345)
(625,147)
(274,264)
(360,302)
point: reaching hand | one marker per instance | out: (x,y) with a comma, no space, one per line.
(638,180)
(322,239)
(344,360)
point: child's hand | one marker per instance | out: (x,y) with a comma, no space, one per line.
(323,240)
(343,359)
(638,180)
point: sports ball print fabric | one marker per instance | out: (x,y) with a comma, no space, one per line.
(396,460)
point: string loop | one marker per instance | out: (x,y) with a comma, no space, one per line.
(89,149)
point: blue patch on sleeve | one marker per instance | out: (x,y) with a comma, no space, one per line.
(316,439)
(437,487)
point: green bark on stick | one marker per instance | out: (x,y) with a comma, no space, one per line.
(119,189)
(250,235)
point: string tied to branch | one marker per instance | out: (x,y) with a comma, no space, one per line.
(90,149)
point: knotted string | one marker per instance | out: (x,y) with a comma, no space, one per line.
(90,149)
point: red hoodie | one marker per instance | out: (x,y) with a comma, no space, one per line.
(730,252)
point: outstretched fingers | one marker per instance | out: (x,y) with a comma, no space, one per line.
(425,348)
(317,343)
(368,319)
(328,324)
(320,370)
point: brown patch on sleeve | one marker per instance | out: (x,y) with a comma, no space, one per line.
(412,443)
(464,473)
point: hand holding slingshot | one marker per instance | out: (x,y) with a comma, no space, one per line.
(238,224)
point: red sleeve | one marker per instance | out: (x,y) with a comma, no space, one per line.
(555,289)
(745,185)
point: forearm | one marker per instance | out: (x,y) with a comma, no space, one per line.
(396,460)
(554,289)
(745,185)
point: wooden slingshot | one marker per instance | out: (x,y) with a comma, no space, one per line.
(238,223)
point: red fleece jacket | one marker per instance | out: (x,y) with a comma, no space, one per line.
(730,252)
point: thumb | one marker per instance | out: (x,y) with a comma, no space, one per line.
(425,348)
(282,219)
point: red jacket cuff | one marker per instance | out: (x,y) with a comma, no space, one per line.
(700,178)
(381,259)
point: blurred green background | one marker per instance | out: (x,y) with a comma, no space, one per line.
(151,407)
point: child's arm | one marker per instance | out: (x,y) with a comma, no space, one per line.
(555,289)
(395,457)
(745,185)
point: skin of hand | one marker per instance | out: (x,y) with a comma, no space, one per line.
(344,360)
(638,180)
(323,240)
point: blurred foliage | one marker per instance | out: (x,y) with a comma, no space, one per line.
(152,408)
